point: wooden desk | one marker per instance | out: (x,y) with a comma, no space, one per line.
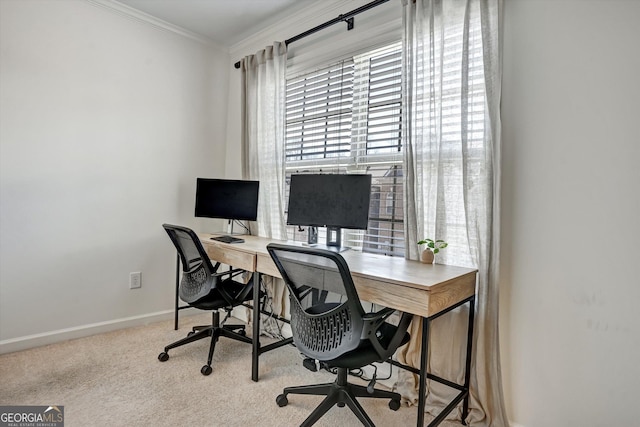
(425,290)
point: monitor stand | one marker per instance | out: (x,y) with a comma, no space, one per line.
(334,239)
(228,238)
(312,236)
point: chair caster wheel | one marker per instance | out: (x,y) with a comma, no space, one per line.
(163,357)
(394,405)
(341,404)
(206,370)
(242,332)
(282,400)
(190,333)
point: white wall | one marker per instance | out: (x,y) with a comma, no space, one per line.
(105,123)
(570,288)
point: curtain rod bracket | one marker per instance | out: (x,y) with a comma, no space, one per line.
(349,22)
(349,19)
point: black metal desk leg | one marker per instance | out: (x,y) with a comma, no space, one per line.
(255,354)
(424,359)
(467,372)
(175,318)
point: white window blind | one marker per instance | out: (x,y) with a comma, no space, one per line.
(346,118)
(319,115)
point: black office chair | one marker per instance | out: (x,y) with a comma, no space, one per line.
(203,287)
(330,325)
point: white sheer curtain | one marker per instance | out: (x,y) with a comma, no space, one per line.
(452,76)
(263,110)
(263,92)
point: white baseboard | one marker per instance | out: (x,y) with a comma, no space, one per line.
(37,340)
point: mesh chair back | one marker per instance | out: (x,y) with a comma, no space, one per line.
(197,270)
(326,314)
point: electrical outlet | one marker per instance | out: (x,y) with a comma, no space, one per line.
(135,280)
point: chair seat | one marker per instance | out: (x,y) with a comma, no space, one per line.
(366,354)
(215,301)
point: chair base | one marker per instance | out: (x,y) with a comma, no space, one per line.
(339,393)
(215,331)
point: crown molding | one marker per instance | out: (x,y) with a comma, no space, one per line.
(137,15)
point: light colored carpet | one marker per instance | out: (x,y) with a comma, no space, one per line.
(115,379)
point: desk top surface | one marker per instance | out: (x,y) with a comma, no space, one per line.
(366,265)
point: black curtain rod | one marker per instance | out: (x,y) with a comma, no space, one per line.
(347,17)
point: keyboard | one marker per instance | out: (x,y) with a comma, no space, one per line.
(227,239)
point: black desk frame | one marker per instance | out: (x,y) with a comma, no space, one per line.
(463,389)
(424,359)
(257,349)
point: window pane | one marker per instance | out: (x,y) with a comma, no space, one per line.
(346,118)
(385,233)
(318,114)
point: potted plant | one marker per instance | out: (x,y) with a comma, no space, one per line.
(432,247)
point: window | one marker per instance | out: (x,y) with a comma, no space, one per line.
(346,118)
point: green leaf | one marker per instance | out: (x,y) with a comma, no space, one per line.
(436,250)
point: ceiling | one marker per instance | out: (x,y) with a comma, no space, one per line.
(226,22)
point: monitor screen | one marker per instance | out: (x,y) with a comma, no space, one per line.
(227,199)
(330,201)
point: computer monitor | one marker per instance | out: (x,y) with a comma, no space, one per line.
(227,199)
(330,200)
